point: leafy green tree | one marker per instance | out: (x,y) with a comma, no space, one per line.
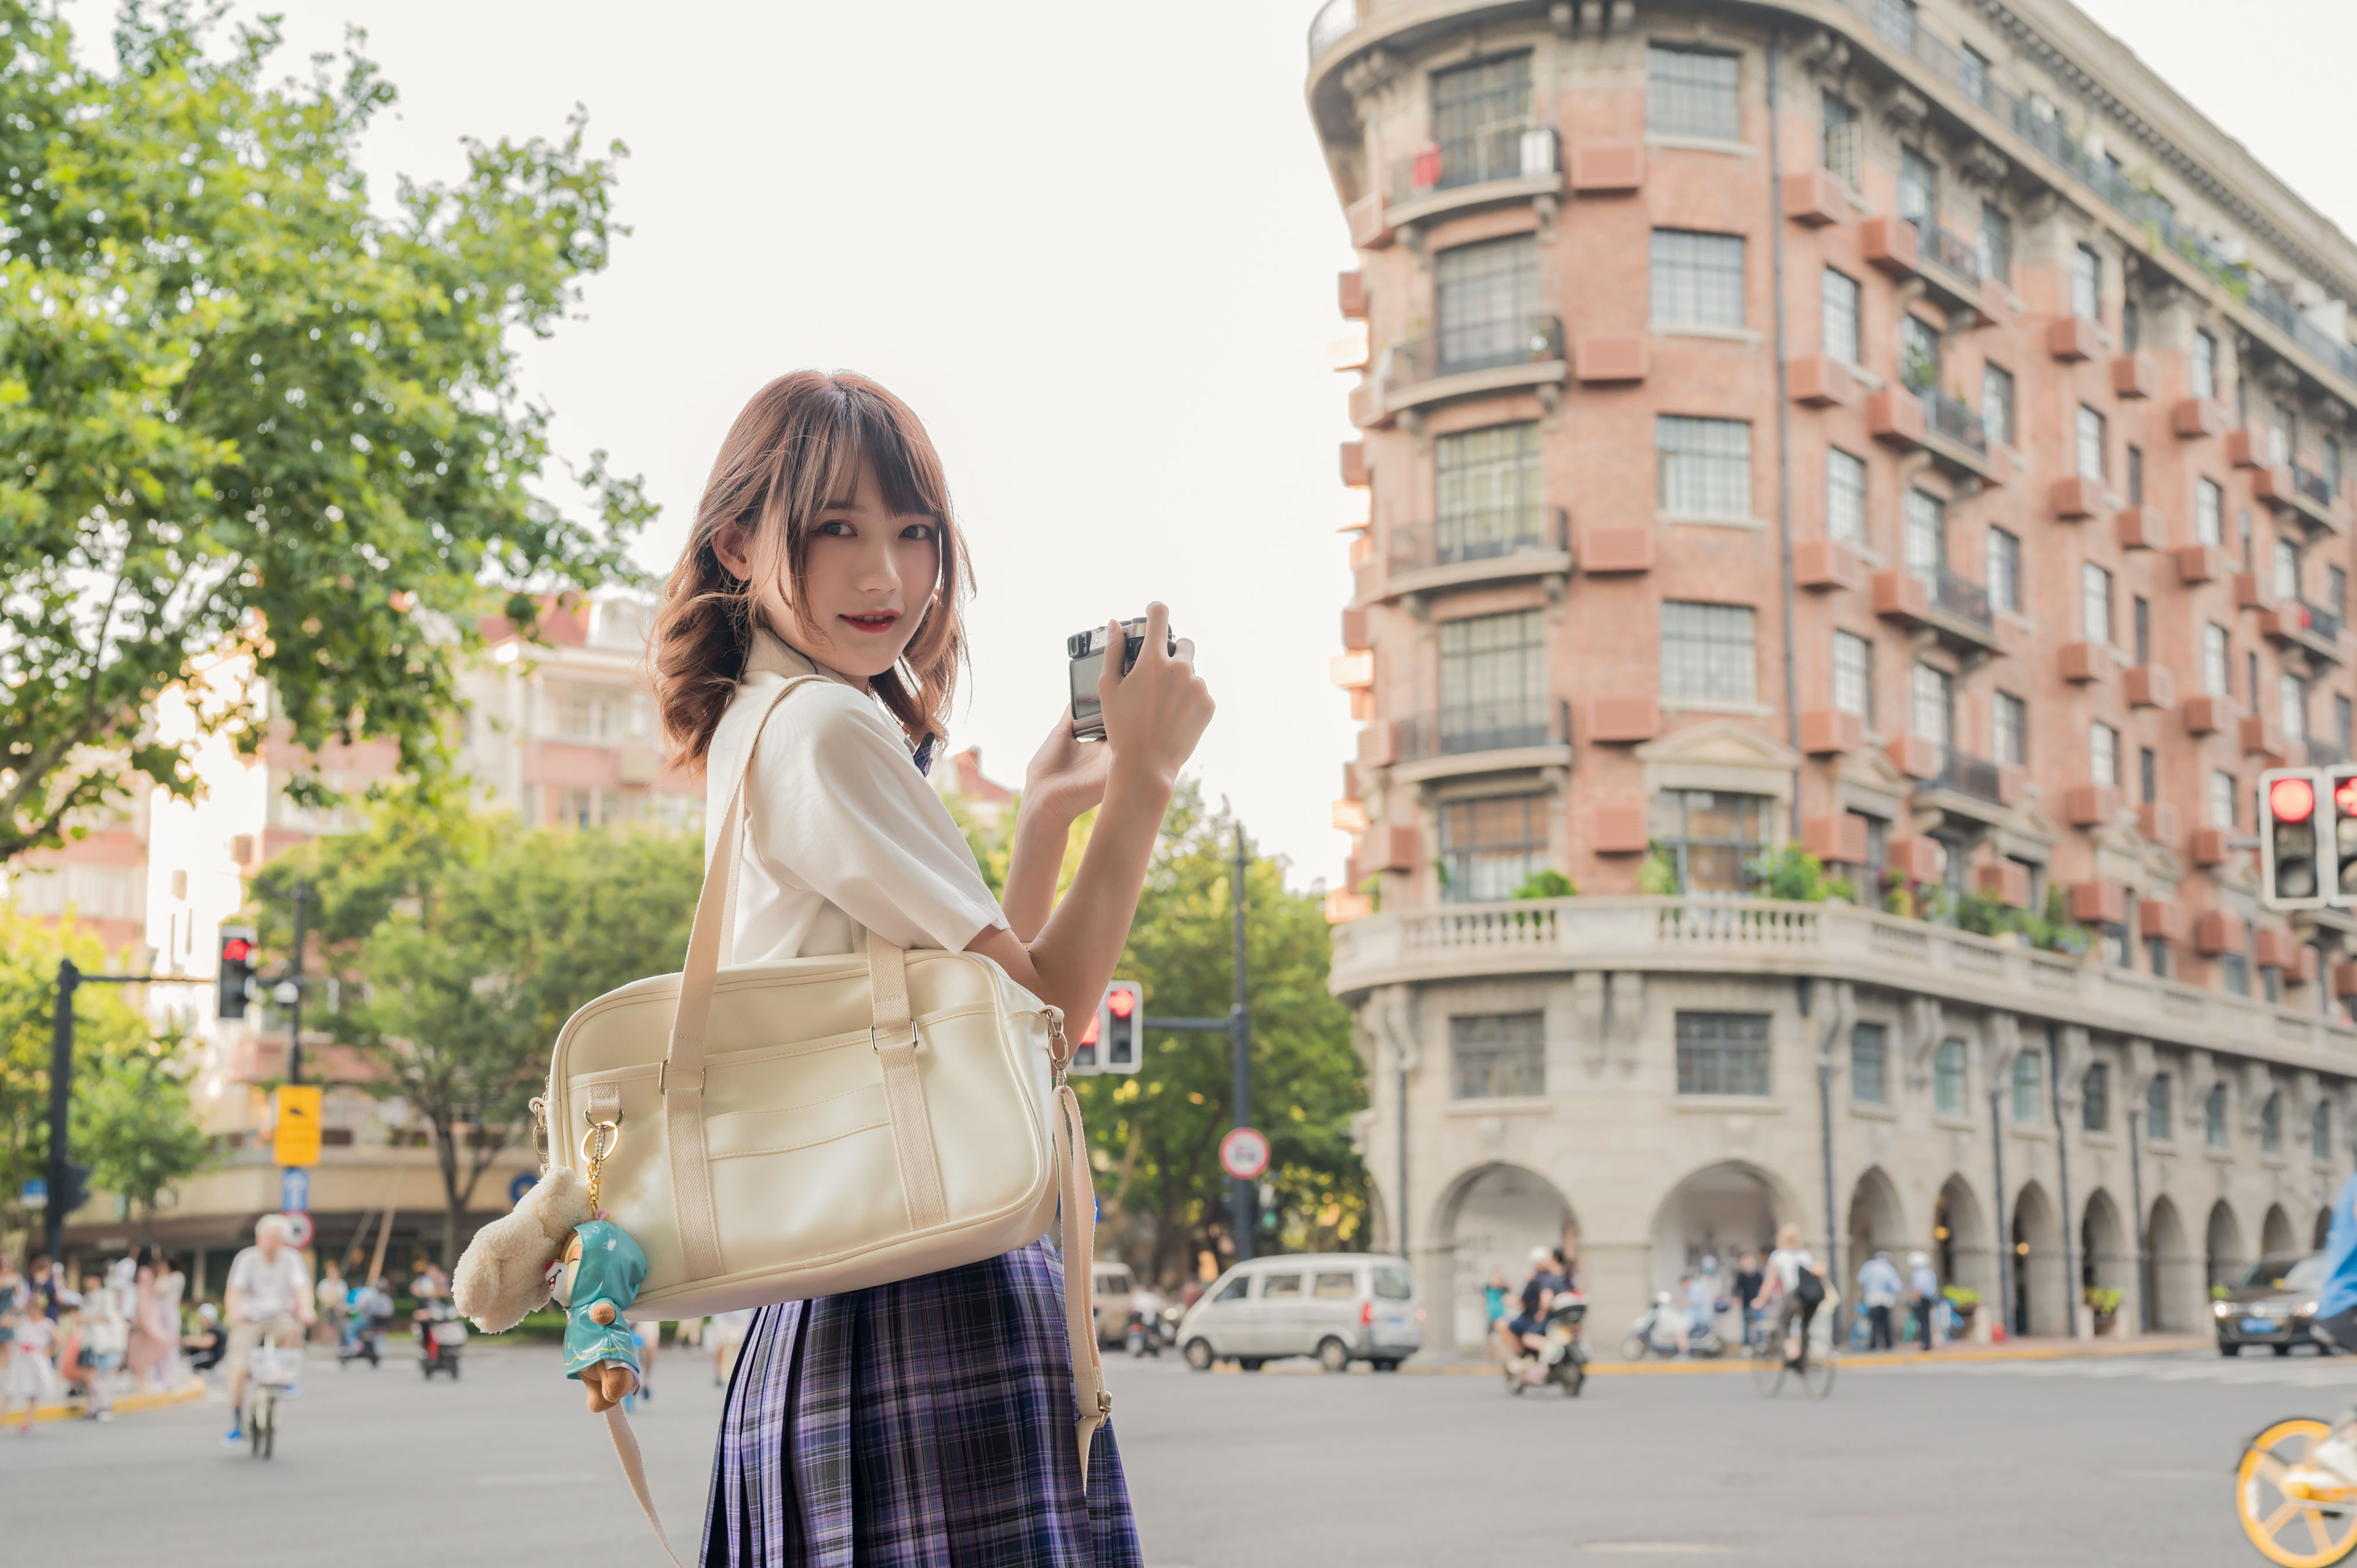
(472,943)
(244,412)
(1156,1135)
(135,1127)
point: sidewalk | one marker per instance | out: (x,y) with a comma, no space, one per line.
(125,1405)
(1854,1360)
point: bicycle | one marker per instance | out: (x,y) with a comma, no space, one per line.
(2305,1531)
(273,1369)
(1770,1368)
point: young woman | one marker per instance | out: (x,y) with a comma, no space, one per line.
(928,1421)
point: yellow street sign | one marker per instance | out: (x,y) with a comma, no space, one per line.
(298,1125)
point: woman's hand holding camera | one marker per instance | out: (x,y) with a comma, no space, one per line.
(1156,713)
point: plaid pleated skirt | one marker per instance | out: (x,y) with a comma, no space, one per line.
(929,1422)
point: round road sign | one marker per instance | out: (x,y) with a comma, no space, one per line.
(299,1228)
(1243,1152)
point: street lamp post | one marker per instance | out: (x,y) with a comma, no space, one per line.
(1240,1193)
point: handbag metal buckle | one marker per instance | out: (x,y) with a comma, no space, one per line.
(915,1038)
(662,1079)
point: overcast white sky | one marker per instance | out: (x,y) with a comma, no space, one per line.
(1094,245)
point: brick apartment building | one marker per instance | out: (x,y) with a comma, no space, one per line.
(1909,431)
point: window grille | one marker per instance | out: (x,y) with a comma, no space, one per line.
(1996,404)
(1698,279)
(1692,92)
(2092,443)
(1715,837)
(1490,847)
(1707,654)
(2005,570)
(1723,1053)
(1869,1056)
(1948,1089)
(2028,1081)
(2159,1118)
(1487,296)
(1854,675)
(1843,138)
(1479,115)
(2096,1098)
(2086,283)
(1705,465)
(1498,1056)
(1492,493)
(1840,336)
(2012,724)
(1493,692)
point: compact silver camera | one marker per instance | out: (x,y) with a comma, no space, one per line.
(1087,651)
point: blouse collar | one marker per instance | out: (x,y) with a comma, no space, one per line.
(773,654)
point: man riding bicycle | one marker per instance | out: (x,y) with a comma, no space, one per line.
(268,1298)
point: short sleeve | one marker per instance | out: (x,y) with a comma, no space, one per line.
(837,803)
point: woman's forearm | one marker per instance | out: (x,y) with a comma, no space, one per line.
(1034,858)
(1072,956)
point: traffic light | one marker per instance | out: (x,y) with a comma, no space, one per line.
(2291,810)
(236,970)
(2340,854)
(1123,1014)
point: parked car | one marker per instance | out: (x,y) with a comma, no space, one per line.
(1114,1286)
(1338,1306)
(2272,1304)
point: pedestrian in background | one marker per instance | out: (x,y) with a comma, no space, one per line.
(106,1333)
(28,1377)
(12,1298)
(155,1335)
(335,1297)
(77,1359)
(41,1287)
(1923,1291)
(1877,1287)
(1493,1302)
(1748,1283)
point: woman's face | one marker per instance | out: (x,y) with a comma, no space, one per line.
(870,573)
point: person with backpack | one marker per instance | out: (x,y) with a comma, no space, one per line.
(1794,1291)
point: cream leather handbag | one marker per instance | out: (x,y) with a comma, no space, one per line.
(774,1132)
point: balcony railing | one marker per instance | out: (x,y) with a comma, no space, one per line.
(1950,254)
(1479,536)
(1334,21)
(1959,596)
(2311,485)
(1484,726)
(2323,622)
(1972,775)
(1946,416)
(1508,150)
(1473,346)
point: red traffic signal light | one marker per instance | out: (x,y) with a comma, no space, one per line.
(2344,796)
(2291,799)
(237,950)
(1089,1034)
(1122,1000)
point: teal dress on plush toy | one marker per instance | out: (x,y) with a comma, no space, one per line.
(606,1268)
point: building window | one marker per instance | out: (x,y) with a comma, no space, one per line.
(2026,1082)
(1919,355)
(2149,774)
(2221,800)
(1492,493)
(2102,752)
(2156,956)
(2331,457)
(1845,497)
(1843,137)
(2094,602)
(1870,1052)
(2336,590)
(1705,465)
(1995,243)
(1948,1078)
(1895,20)
(1489,295)
(1925,544)
(1698,279)
(2234,970)
(2216,663)
(2214,1116)
(2131,326)
(1919,189)
(2136,476)
(2205,365)
(2003,570)
(1707,653)
(2092,443)
(2280,425)
(2143,630)
(1479,115)
(1713,838)
(591,713)
(2319,1130)
(1933,705)
(1854,675)
(2157,1117)
(1840,334)
(2251,677)
(2011,717)
(1498,1056)
(2342,739)
(2095,1099)
(1996,404)
(1689,92)
(1490,847)
(2086,285)
(1493,692)
(2209,513)
(2116,951)
(1723,1053)
(2271,1124)
(2286,570)
(2292,695)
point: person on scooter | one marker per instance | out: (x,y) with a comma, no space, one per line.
(1527,1330)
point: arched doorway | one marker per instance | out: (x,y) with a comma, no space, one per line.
(1876,1223)
(2223,1257)
(2038,1302)
(1490,1220)
(1960,1240)
(2275,1233)
(1719,1212)
(2108,1258)
(2178,1292)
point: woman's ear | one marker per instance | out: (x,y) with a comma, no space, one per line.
(728,545)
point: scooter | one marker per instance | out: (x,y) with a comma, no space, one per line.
(1564,1360)
(1654,1332)
(440,1338)
(364,1327)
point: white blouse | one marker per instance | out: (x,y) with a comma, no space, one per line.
(842,834)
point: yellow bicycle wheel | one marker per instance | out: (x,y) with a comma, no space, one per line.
(2294,1532)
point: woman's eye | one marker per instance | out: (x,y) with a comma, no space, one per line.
(837,527)
(921,530)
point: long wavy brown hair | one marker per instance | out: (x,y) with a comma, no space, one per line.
(798,445)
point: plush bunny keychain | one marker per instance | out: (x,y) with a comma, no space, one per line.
(558,1243)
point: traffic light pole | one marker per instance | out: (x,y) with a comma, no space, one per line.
(63,1176)
(295,978)
(1240,1193)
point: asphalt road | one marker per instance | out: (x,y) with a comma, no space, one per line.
(2076,1462)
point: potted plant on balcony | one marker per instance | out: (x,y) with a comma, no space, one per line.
(1658,878)
(2106,1304)
(1547,883)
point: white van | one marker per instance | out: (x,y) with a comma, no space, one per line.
(1338,1306)
(1115,1287)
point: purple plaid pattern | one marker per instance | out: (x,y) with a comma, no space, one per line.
(924,1423)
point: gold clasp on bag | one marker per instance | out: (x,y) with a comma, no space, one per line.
(596,1149)
(540,1132)
(1060,1050)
